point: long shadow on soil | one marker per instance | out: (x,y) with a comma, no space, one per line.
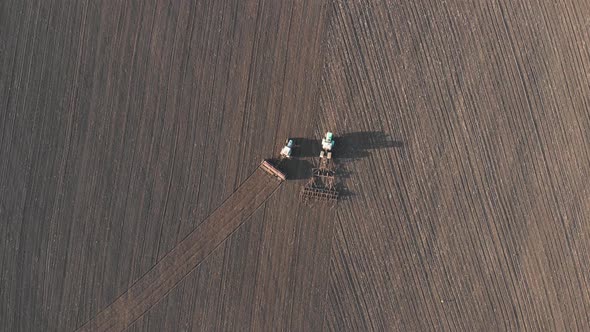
(360,144)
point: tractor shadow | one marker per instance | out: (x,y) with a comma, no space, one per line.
(296,169)
(360,144)
(306,147)
(344,194)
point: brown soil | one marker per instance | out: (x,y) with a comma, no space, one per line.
(131,133)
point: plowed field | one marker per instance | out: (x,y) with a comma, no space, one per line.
(131,133)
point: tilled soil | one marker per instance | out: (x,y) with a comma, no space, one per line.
(462,146)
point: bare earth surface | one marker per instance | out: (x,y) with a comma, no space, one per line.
(131,133)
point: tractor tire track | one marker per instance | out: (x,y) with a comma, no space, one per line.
(187,255)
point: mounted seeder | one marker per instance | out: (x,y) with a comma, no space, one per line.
(322,185)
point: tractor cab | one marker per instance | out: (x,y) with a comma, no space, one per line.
(288,149)
(328,142)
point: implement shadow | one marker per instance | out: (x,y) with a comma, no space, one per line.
(354,146)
